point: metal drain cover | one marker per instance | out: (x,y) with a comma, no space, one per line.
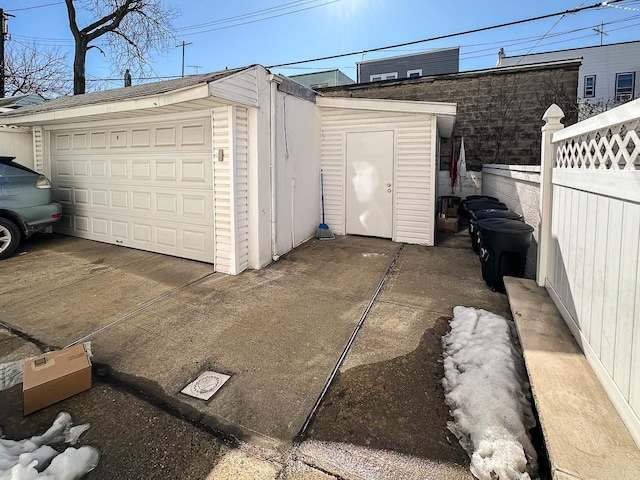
(206,385)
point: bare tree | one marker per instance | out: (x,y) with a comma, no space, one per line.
(31,69)
(131,29)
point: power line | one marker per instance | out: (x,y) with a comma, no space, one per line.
(255,13)
(285,6)
(34,7)
(451,35)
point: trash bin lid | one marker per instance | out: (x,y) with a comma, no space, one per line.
(468,198)
(504,225)
(495,213)
(484,204)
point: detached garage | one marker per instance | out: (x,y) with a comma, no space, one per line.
(225,167)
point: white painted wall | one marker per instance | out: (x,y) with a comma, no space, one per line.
(298,171)
(518,187)
(259,175)
(17,142)
(470,185)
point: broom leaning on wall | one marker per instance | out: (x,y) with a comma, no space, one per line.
(323,232)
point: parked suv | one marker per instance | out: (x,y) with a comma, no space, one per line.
(25,204)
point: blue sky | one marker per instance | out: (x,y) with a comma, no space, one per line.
(313,28)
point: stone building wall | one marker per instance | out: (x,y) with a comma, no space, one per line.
(499,110)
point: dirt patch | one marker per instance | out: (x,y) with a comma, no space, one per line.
(395,405)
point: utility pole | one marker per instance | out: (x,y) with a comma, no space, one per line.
(3,37)
(183,44)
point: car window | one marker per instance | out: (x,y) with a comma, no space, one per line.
(18,166)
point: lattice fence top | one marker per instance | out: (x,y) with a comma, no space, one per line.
(611,148)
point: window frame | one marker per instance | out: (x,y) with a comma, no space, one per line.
(383,76)
(417,70)
(593,87)
(633,87)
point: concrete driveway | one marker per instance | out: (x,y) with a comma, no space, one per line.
(156,322)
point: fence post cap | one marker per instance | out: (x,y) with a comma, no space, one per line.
(553,114)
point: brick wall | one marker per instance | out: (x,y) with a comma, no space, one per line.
(499,110)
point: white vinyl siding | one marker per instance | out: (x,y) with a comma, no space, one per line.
(242,187)
(240,88)
(603,62)
(231,188)
(144,184)
(38,151)
(414,168)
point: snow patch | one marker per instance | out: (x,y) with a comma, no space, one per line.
(486,389)
(33,458)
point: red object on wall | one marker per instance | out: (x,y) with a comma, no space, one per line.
(453,166)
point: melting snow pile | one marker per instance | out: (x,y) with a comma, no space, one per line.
(34,458)
(485,387)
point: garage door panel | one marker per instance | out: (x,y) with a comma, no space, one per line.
(187,241)
(164,169)
(143,186)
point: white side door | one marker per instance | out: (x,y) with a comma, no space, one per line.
(369,184)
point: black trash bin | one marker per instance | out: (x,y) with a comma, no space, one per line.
(503,251)
(487,213)
(467,206)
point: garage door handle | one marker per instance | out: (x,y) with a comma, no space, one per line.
(389,190)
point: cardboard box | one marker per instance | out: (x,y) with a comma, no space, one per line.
(447,224)
(55,376)
(449,206)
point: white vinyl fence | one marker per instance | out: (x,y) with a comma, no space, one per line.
(589,246)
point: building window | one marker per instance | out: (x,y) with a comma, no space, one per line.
(589,86)
(383,76)
(414,73)
(625,85)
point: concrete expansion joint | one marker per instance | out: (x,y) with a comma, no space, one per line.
(43,347)
(107,375)
(142,307)
(345,351)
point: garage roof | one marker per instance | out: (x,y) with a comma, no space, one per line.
(89,104)
(444,112)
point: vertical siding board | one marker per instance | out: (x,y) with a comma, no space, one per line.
(562,240)
(38,151)
(599,270)
(570,292)
(242,186)
(634,387)
(222,190)
(628,280)
(589,261)
(553,250)
(611,287)
(578,281)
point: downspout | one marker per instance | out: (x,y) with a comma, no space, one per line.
(274,81)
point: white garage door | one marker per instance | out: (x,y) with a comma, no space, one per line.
(144,185)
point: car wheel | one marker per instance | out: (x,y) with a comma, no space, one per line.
(9,237)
